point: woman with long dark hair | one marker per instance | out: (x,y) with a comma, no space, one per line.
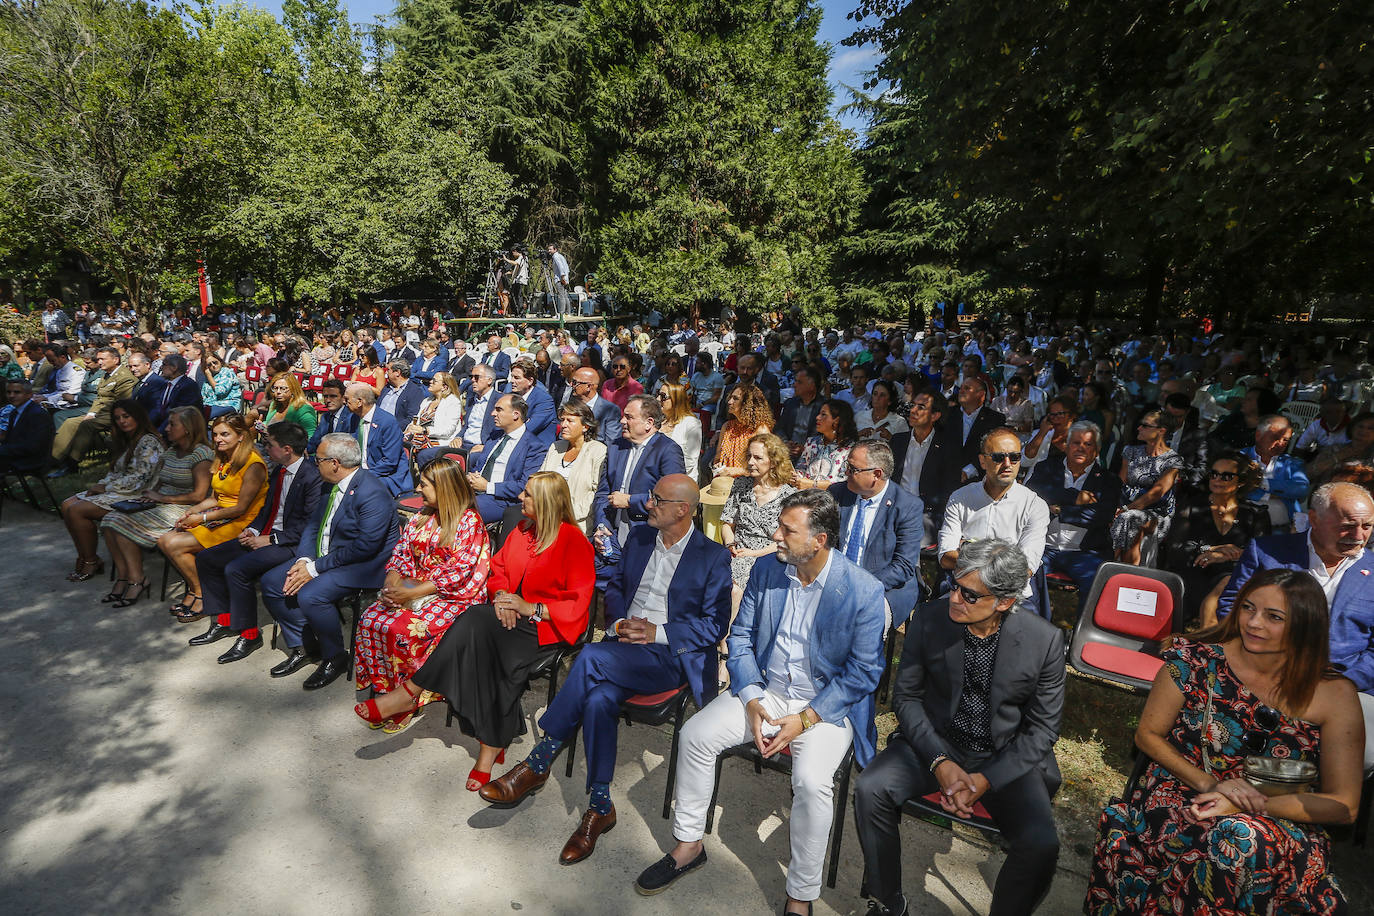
(825,454)
(1196,836)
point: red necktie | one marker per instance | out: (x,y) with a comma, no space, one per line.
(276,502)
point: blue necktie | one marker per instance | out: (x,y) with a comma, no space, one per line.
(855,541)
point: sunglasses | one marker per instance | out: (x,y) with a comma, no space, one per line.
(1222,475)
(1266,722)
(999,457)
(967,594)
(1149,426)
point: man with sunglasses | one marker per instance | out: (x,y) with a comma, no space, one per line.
(583,388)
(621,386)
(983,732)
(996,507)
(477,408)
(667,607)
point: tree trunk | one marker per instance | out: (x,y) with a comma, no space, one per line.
(1154,293)
(1092,279)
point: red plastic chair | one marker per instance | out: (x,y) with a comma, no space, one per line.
(343,372)
(315,384)
(253,375)
(1129,611)
(1061,580)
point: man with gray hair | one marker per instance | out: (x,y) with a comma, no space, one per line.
(345,546)
(379,437)
(399,396)
(1332,551)
(806,652)
(1082,499)
(1285,483)
(952,739)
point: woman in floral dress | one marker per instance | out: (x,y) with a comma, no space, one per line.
(437,571)
(1195,837)
(825,454)
(1148,474)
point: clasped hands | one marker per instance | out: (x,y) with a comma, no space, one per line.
(959,789)
(297,576)
(789,727)
(510,607)
(1228,797)
(400,593)
(477,481)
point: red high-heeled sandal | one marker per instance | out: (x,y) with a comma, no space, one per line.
(369,713)
(477,776)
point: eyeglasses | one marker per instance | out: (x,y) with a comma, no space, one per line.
(1267,722)
(619,366)
(967,594)
(654,499)
(1222,475)
(999,457)
(850,469)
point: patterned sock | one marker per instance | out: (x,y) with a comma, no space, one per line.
(601,798)
(250,633)
(222,620)
(541,758)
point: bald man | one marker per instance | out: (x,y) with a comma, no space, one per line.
(1333,551)
(585,383)
(667,607)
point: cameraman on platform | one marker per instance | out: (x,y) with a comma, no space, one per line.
(558,265)
(518,273)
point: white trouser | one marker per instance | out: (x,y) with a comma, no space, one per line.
(1367,707)
(816,753)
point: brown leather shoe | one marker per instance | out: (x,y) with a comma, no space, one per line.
(583,841)
(517,782)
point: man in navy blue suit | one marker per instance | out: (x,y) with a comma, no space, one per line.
(608,422)
(337,418)
(345,546)
(881,526)
(1083,499)
(1333,551)
(148,387)
(230,571)
(480,401)
(180,390)
(381,440)
(492,356)
(433,358)
(29,435)
(507,461)
(400,397)
(667,607)
(634,463)
(524,381)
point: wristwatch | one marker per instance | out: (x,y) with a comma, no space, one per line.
(805,720)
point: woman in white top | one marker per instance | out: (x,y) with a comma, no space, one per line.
(680,424)
(882,420)
(439,421)
(578,458)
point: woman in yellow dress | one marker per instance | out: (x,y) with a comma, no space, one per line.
(238,489)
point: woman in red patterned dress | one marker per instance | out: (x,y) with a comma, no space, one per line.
(437,571)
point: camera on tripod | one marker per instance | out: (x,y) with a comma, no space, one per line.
(545,256)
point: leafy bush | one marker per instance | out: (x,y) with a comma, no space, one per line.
(15,326)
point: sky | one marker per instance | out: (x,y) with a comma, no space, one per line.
(847,65)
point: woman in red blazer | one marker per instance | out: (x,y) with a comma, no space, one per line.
(540,590)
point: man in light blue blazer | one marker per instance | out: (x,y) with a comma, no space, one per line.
(806,652)
(1285,483)
(634,463)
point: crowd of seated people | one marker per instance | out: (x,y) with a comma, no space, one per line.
(541,467)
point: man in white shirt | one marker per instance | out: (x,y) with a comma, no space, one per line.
(996,506)
(229,572)
(63,387)
(507,461)
(805,658)
(667,606)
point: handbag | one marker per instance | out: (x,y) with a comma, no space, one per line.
(1271,775)
(133,505)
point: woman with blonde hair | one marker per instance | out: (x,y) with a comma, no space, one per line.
(439,421)
(437,571)
(751,512)
(286,401)
(347,349)
(749,415)
(679,422)
(238,490)
(540,591)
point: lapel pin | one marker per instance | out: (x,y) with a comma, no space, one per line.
(1364,572)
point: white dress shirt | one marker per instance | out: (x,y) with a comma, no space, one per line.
(287,478)
(914,462)
(498,468)
(1062,536)
(365,430)
(631,462)
(328,520)
(472,430)
(651,598)
(1019,516)
(789,665)
(1329,581)
(968,419)
(69,380)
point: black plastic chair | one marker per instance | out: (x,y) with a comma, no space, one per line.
(782,763)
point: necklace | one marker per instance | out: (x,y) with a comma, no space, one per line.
(223,470)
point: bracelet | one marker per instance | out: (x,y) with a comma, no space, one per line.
(939,759)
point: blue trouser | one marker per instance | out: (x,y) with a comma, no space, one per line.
(229,575)
(1079,565)
(605,674)
(315,605)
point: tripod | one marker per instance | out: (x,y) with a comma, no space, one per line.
(491,290)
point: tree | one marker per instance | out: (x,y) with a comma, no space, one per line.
(103,126)
(714,171)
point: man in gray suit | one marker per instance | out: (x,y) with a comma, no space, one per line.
(978,699)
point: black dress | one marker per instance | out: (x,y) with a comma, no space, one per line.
(1194,527)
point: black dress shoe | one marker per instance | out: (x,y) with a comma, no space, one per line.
(214,634)
(241,649)
(329,671)
(294,662)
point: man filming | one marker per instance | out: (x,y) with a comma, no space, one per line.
(518,272)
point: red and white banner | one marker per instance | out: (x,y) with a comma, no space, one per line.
(207,296)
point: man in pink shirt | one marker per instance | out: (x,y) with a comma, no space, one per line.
(621,386)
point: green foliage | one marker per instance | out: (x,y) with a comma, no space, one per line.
(16,327)
(713,170)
